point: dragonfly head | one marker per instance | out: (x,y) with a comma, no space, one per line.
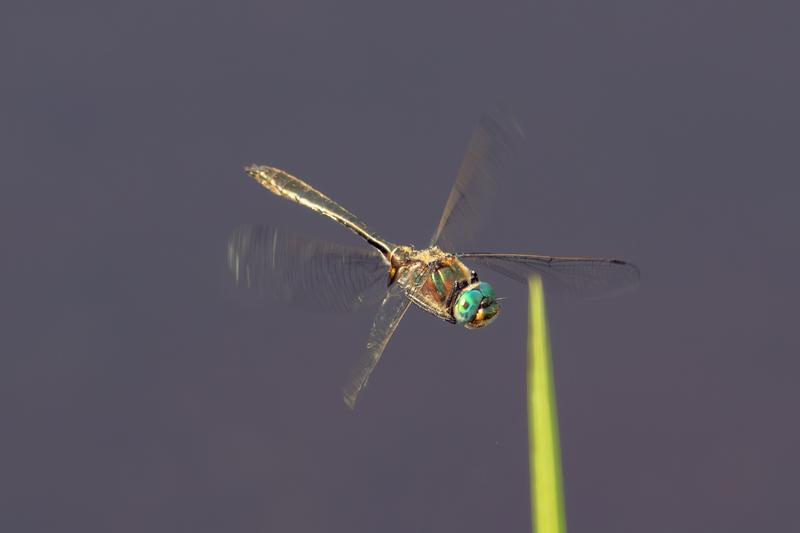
(476,305)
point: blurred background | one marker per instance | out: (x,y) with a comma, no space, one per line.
(139,394)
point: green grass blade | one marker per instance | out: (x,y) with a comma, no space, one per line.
(547,495)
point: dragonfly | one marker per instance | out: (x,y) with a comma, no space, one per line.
(326,275)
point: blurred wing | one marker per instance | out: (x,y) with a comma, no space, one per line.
(491,145)
(579,276)
(315,274)
(394,306)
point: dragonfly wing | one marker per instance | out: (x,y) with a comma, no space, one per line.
(287,186)
(492,143)
(579,276)
(394,306)
(401,294)
(314,274)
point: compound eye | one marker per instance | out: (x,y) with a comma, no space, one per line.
(467,306)
(487,290)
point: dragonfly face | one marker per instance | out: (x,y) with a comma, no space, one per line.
(476,305)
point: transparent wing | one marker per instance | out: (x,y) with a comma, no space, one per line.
(315,274)
(580,276)
(287,186)
(492,143)
(394,306)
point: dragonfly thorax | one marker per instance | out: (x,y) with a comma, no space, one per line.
(443,285)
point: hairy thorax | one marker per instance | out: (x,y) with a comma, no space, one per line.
(430,276)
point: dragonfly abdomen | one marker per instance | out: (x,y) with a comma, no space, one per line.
(283,184)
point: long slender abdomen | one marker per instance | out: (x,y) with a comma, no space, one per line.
(287,186)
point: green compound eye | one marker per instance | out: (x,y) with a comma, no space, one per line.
(467,305)
(487,291)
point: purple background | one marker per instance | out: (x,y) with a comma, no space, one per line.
(137,394)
